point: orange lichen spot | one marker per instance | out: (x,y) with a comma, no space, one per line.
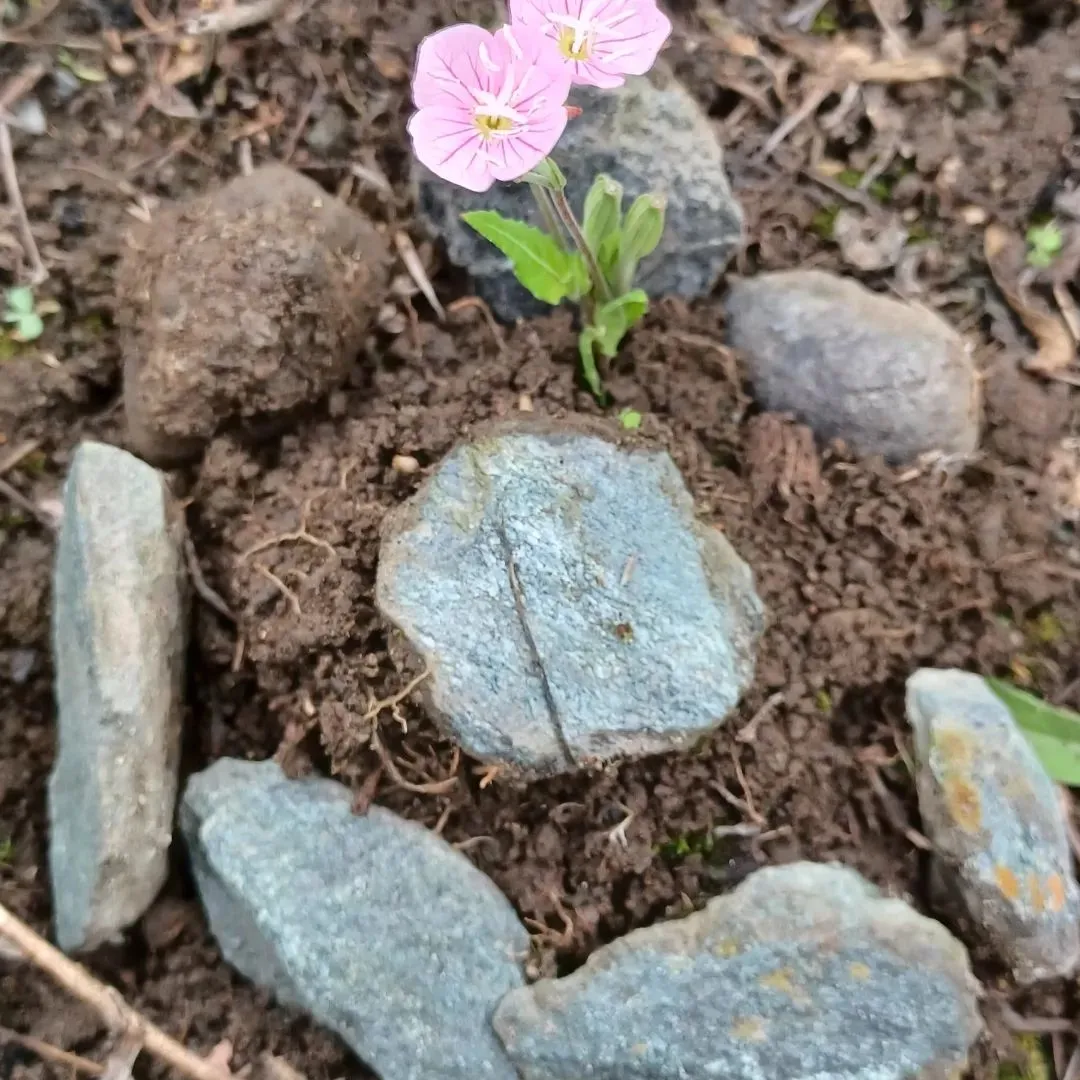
(954,747)
(1055,890)
(726,948)
(1007,882)
(750,1028)
(783,982)
(1038,900)
(639,1049)
(860,971)
(962,800)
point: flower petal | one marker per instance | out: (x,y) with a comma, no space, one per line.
(448,67)
(512,157)
(446,140)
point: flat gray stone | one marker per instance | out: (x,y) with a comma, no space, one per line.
(804,972)
(996,823)
(119,635)
(570,606)
(373,924)
(886,377)
(650,135)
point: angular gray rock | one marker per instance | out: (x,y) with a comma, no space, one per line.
(119,635)
(996,823)
(373,924)
(570,606)
(803,971)
(650,135)
(886,377)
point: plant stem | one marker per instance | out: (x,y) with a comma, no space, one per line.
(547,213)
(566,216)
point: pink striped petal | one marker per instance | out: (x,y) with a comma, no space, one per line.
(445,139)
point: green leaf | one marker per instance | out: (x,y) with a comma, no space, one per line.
(29,327)
(537,260)
(20,299)
(630,419)
(633,305)
(586,341)
(1053,732)
(580,282)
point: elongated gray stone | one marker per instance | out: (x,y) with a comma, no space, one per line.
(373,924)
(886,377)
(570,606)
(119,632)
(996,823)
(803,972)
(650,135)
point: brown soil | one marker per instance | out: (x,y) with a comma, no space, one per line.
(867,572)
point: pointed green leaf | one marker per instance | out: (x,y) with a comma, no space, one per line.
(580,284)
(537,260)
(1053,732)
(633,305)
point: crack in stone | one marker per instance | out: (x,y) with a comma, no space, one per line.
(519,605)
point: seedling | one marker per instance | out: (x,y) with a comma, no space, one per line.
(630,419)
(1044,244)
(25,314)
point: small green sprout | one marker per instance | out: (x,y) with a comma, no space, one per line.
(630,419)
(7,849)
(1044,243)
(825,22)
(25,314)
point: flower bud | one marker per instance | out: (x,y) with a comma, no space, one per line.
(644,226)
(603,210)
(641,232)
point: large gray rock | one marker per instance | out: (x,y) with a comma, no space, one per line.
(119,630)
(886,377)
(570,606)
(996,823)
(802,972)
(650,135)
(373,924)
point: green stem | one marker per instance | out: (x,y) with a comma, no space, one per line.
(547,214)
(566,216)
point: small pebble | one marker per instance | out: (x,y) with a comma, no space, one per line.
(974,215)
(405,464)
(525,403)
(29,116)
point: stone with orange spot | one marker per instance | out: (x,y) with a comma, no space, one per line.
(805,932)
(994,818)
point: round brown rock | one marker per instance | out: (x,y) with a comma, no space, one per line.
(240,306)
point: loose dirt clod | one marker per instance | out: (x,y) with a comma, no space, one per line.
(240,306)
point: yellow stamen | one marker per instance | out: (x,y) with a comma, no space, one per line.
(571,46)
(491,125)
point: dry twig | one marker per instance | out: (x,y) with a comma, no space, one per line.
(50,1053)
(1056,348)
(116,1013)
(38,272)
(198,582)
(407,251)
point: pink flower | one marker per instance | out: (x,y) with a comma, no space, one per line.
(601,40)
(489,106)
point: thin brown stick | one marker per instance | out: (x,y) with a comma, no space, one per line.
(377,707)
(22,83)
(107,1002)
(18,454)
(54,1054)
(205,592)
(38,272)
(14,495)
